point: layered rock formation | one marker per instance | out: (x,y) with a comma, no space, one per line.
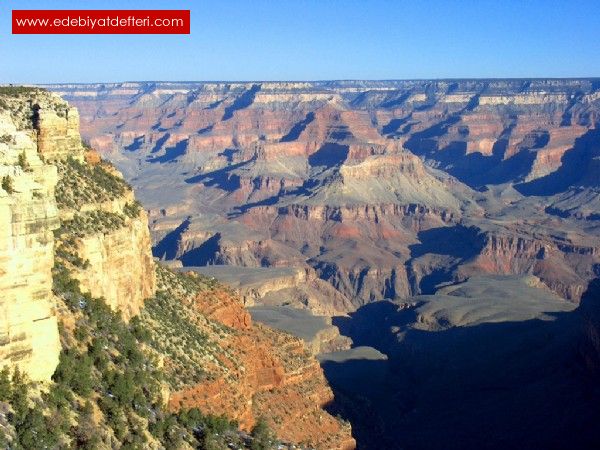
(40,133)
(119,266)
(57,132)
(37,129)
(244,370)
(71,227)
(28,214)
(104,237)
(359,181)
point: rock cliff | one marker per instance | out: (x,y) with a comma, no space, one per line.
(236,367)
(75,249)
(47,189)
(28,214)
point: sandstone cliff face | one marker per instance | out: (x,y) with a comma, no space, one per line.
(106,231)
(58,133)
(120,268)
(28,214)
(38,133)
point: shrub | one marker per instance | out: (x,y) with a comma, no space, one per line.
(262,436)
(133,209)
(16,91)
(23,161)
(92,222)
(75,371)
(5,388)
(80,183)
(7,184)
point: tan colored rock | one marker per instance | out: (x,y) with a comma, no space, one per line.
(58,135)
(121,268)
(28,324)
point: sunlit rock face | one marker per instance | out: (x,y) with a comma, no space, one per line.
(381,189)
(38,130)
(28,215)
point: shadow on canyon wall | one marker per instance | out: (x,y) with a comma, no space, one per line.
(298,128)
(575,169)
(458,242)
(225,179)
(529,384)
(202,255)
(241,102)
(171,153)
(476,169)
(166,248)
(328,156)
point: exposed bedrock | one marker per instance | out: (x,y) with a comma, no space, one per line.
(347,178)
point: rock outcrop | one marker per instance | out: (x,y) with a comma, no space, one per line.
(120,267)
(39,132)
(28,215)
(244,369)
(58,132)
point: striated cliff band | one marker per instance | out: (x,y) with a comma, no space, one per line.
(375,189)
(101,347)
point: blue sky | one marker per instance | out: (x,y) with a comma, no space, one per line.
(317,39)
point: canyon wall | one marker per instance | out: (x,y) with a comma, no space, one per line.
(28,214)
(39,134)
(120,266)
(360,181)
(261,372)
(71,232)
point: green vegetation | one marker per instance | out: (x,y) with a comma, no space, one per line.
(133,209)
(91,222)
(17,91)
(263,436)
(107,366)
(14,92)
(107,390)
(7,184)
(23,161)
(80,183)
(66,251)
(175,335)
(175,328)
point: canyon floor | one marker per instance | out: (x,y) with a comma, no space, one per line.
(436,243)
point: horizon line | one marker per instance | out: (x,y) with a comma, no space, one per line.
(332,80)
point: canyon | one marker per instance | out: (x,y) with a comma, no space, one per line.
(435,243)
(78,278)
(375,189)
